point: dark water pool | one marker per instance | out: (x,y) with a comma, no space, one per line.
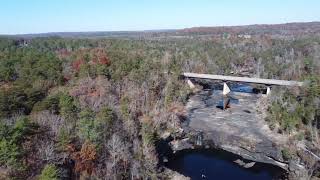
(241,88)
(234,87)
(218,164)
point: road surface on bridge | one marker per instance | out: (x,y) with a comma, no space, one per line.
(244,79)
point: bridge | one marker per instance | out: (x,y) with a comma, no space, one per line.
(226,90)
(244,79)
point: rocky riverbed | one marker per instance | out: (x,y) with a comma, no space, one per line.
(240,129)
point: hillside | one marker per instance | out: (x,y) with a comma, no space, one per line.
(293,29)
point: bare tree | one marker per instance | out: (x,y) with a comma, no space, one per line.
(116,148)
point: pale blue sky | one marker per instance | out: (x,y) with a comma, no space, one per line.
(37,16)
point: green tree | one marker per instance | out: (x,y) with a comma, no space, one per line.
(64,138)
(289,121)
(49,172)
(11,139)
(49,103)
(124,107)
(7,70)
(104,121)
(9,153)
(67,106)
(148,134)
(93,126)
(86,126)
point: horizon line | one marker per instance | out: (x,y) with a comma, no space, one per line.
(160,29)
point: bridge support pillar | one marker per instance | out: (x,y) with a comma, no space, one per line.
(190,83)
(226,89)
(268,91)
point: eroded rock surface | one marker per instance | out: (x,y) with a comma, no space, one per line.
(173,175)
(240,129)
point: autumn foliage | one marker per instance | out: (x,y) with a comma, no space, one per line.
(96,56)
(85,158)
(77,64)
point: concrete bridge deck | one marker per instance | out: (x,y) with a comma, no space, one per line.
(244,79)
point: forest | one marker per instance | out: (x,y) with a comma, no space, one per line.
(96,108)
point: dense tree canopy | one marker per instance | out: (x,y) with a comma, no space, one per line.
(101,104)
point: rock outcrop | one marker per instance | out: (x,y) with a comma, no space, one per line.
(241,129)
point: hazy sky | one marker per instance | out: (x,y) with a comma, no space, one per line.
(35,16)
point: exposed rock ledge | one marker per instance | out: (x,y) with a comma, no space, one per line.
(240,130)
(172,175)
